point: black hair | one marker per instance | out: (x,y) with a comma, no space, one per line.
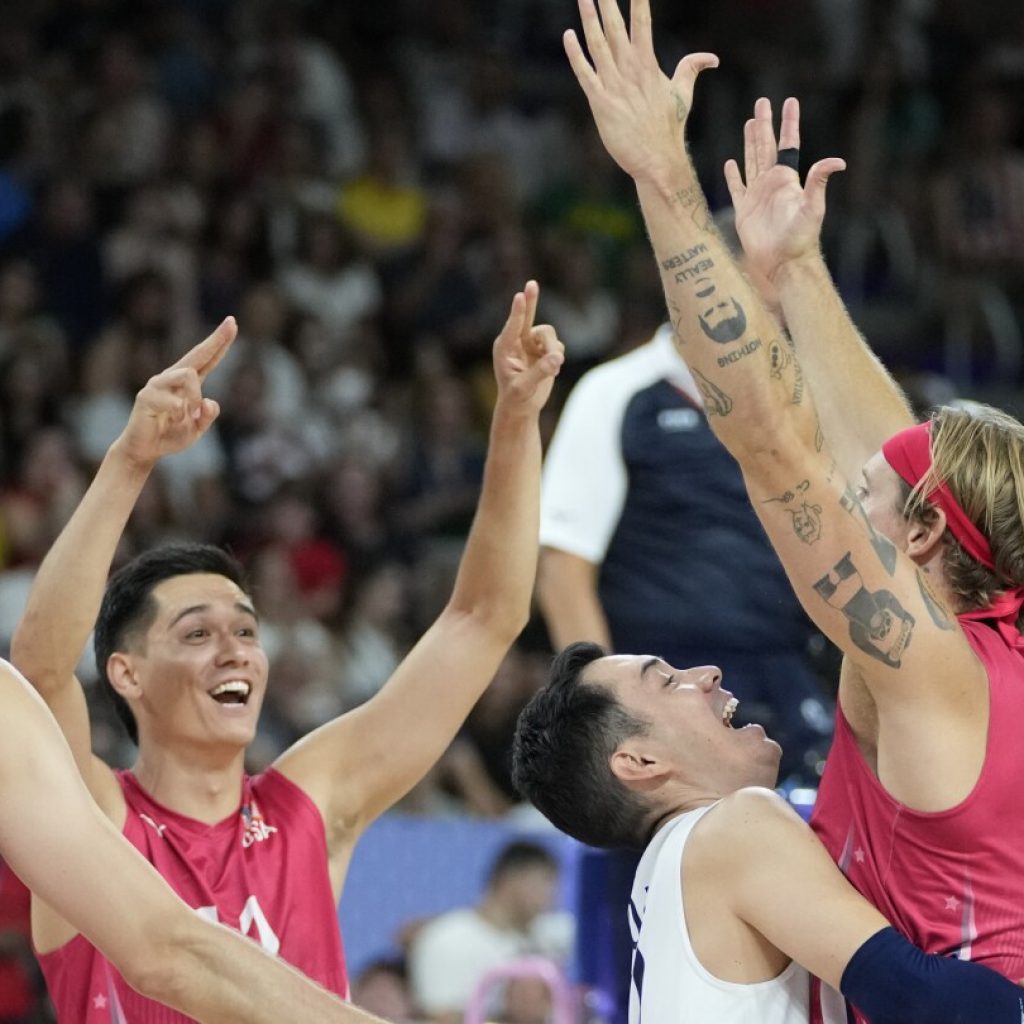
(564,741)
(129,609)
(520,854)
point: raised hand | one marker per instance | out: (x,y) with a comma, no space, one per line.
(170,412)
(777,219)
(527,358)
(640,112)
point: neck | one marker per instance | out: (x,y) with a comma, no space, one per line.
(194,781)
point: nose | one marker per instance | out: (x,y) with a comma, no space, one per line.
(707,677)
(233,651)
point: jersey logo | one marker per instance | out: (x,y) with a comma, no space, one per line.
(672,421)
(256,829)
(159,829)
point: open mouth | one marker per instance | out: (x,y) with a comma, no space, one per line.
(728,711)
(234,691)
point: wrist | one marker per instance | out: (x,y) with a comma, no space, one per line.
(122,458)
(798,269)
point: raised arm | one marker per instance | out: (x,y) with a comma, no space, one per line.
(169,414)
(59,843)
(779,224)
(868,596)
(361,763)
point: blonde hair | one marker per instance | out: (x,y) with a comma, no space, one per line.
(978,452)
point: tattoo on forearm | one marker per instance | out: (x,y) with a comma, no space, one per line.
(689,265)
(692,199)
(716,401)
(806,515)
(879,625)
(739,353)
(936,609)
(884,548)
(723,321)
(785,367)
(819,441)
(675,317)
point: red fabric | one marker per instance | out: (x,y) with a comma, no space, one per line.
(909,454)
(16,988)
(263,871)
(951,881)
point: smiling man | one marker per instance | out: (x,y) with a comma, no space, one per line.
(734,899)
(177,643)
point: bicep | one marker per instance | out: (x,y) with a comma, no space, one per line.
(790,891)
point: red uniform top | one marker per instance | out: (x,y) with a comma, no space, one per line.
(951,881)
(263,871)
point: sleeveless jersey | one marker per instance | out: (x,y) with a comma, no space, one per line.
(669,984)
(263,871)
(950,881)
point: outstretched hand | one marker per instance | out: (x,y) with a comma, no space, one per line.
(640,112)
(170,412)
(527,358)
(776,219)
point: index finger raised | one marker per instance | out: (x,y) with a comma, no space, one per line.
(205,356)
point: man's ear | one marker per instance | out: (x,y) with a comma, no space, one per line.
(121,673)
(635,767)
(923,541)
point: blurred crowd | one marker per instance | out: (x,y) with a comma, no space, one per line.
(364,186)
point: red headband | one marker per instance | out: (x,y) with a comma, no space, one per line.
(910,454)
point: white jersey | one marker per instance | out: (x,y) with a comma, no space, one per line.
(670,985)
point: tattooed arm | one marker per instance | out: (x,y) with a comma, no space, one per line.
(858,588)
(779,224)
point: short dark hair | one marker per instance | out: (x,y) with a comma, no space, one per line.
(128,608)
(564,740)
(517,856)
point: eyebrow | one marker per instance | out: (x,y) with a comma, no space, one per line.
(240,606)
(647,665)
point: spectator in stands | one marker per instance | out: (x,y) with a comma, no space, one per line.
(450,954)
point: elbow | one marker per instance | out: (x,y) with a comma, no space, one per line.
(160,971)
(499,622)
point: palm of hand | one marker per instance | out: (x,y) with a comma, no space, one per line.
(775,221)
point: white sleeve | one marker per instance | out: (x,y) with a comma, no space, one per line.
(584,483)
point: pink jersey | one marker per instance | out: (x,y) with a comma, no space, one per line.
(263,871)
(952,881)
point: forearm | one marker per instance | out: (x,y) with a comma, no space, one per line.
(893,982)
(68,588)
(751,382)
(859,402)
(567,593)
(502,544)
(219,976)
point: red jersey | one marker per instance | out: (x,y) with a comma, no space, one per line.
(262,871)
(950,881)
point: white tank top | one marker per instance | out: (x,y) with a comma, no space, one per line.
(669,984)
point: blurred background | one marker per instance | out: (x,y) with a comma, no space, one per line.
(364,186)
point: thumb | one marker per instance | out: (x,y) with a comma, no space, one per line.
(689,68)
(208,412)
(817,179)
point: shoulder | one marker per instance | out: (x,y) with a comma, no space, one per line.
(742,822)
